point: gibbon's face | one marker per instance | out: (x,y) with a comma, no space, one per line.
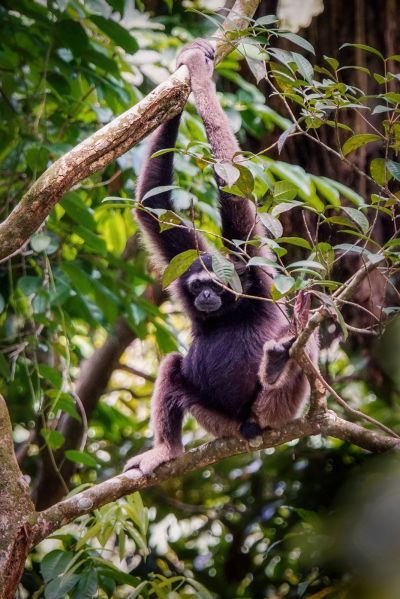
(207,294)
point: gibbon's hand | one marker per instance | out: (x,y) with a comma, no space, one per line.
(198,57)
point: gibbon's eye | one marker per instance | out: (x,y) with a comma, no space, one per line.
(195,286)
(217,288)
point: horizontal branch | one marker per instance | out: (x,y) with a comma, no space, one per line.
(83,503)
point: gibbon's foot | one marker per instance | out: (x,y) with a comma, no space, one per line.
(190,54)
(250,429)
(276,357)
(148,461)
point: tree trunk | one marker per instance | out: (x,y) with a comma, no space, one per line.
(17,512)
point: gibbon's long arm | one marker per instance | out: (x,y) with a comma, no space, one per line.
(238,214)
(157,172)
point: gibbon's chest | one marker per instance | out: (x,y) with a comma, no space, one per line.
(223,367)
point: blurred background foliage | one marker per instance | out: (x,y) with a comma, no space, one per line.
(84,323)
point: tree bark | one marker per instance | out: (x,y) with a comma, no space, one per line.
(17,512)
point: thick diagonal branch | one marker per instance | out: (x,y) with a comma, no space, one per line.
(107,144)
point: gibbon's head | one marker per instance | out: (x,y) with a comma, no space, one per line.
(208,296)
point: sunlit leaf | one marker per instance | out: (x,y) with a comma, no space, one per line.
(178,265)
(357,141)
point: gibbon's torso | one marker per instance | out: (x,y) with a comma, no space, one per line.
(223,363)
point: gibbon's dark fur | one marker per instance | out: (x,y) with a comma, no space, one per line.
(237,377)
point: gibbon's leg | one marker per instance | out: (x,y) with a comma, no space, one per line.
(285,387)
(214,422)
(168,403)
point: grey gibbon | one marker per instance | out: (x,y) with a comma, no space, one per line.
(237,377)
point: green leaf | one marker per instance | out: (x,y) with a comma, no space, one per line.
(114,232)
(167,220)
(358,217)
(55,563)
(70,34)
(229,173)
(81,457)
(155,191)
(284,191)
(178,265)
(304,66)
(4,367)
(299,241)
(374,258)
(59,589)
(379,171)
(299,41)
(79,278)
(37,158)
(381,108)
(92,240)
(345,191)
(246,180)
(333,63)
(266,20)
(284,207)
(116,32)
(40,242)
(309,516)
(363,47)
(272,224)
(328,191)
(222,267)
(308,264)
(29,285)
(2,303)
(284,136)
(283,283)
(356,141)
(262,261)
(394,169)
(88,584)
(50,374)
(64,402)
(53,438)
(77,210)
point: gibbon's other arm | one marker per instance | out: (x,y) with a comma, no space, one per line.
(238,214)
(157,172)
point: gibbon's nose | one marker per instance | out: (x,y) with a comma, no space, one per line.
(206,293)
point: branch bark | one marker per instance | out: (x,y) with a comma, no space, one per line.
(163,103)
(83,503)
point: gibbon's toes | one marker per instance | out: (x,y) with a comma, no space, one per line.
(206,47)
(250,430)
(189,54)
(133,462)
(148,461)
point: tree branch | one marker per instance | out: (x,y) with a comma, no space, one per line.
(83,503)
(110,142)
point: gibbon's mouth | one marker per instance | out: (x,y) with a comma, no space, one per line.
(208,306)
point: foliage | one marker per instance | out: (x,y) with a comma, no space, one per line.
(250,526)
